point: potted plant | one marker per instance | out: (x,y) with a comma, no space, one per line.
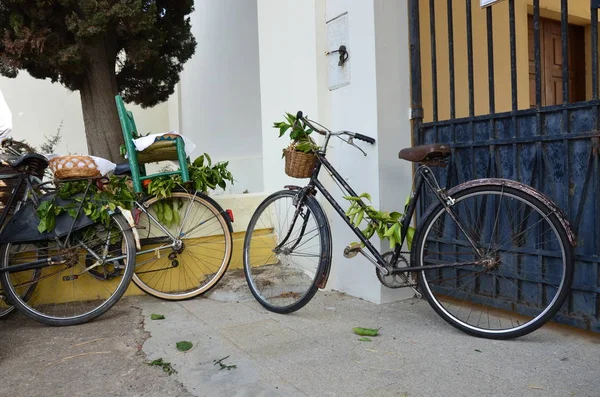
(299,155)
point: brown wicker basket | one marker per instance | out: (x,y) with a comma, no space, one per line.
(8,184)
(299,164)
(70,167)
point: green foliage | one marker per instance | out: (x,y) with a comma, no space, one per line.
(209,176)
(147,41)
(119,193)
(385,224)
(365,331)
(223,365)
(97,206)
(299,133)
(51,141)
(166,367)
(184,346)
(157,317)
(204,175)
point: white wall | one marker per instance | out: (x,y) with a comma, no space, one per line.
(375,103)
(393,105)
(39,107)
(288,73)
(293,70)
(354,108)
(220,89)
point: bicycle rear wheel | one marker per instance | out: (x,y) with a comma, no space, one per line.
(286,250)
(196,260)
(525,262)
(85,276)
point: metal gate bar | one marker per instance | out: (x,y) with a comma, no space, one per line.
(553,148)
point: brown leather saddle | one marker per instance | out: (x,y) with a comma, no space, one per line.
(427,154)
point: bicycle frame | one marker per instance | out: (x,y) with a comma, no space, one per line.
(424,175)
(170,240)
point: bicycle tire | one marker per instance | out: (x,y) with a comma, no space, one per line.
(276,295)
(512,294)
(203,259)
(6,307)
(75,268)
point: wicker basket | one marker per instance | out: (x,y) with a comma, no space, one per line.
(8,184)
(70,167)
(299,164)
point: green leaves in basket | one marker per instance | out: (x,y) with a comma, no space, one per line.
(304,146)
(299,134)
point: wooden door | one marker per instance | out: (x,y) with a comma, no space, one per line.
(552,63)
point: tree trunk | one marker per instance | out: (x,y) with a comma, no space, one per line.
(102,126)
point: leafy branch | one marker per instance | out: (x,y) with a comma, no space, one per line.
(118,192)
(97,205)
(203,176)
(387,225)
(299,134)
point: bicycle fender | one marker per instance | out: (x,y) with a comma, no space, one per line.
(127,214)
(562,218)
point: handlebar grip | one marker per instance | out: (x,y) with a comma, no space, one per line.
(365,138)
(299,115)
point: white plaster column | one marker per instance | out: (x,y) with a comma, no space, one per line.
(375,103)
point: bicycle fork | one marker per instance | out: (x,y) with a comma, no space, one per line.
(280,249)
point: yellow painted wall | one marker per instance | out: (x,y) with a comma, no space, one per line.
(579,14)
(50,289)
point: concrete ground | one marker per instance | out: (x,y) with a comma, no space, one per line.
(312,352)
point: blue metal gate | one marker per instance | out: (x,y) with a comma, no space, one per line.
(552,148)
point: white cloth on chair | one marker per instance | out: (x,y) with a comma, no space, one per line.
(145,141)
(5,119)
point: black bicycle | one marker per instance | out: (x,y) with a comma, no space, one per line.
(492,256)
(70,275)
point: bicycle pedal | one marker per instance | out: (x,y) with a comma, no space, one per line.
(352,250)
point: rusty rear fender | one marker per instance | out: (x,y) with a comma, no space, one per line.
(527,189)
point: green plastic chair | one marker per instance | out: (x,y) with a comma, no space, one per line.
(167,147)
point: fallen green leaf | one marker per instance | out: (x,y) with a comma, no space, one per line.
(364,339)
(184,346)
(224,366)
(157,317)
(166,367)
(478,351)
(365,331)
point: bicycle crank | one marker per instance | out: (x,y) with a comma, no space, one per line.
(354,249)
(397,280)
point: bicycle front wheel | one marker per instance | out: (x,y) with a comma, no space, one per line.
(84,277)
(5,306)
(194,257)
(522,267)
(286,249)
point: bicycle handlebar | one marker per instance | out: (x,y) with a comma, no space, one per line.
(360,137)
(365,138)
